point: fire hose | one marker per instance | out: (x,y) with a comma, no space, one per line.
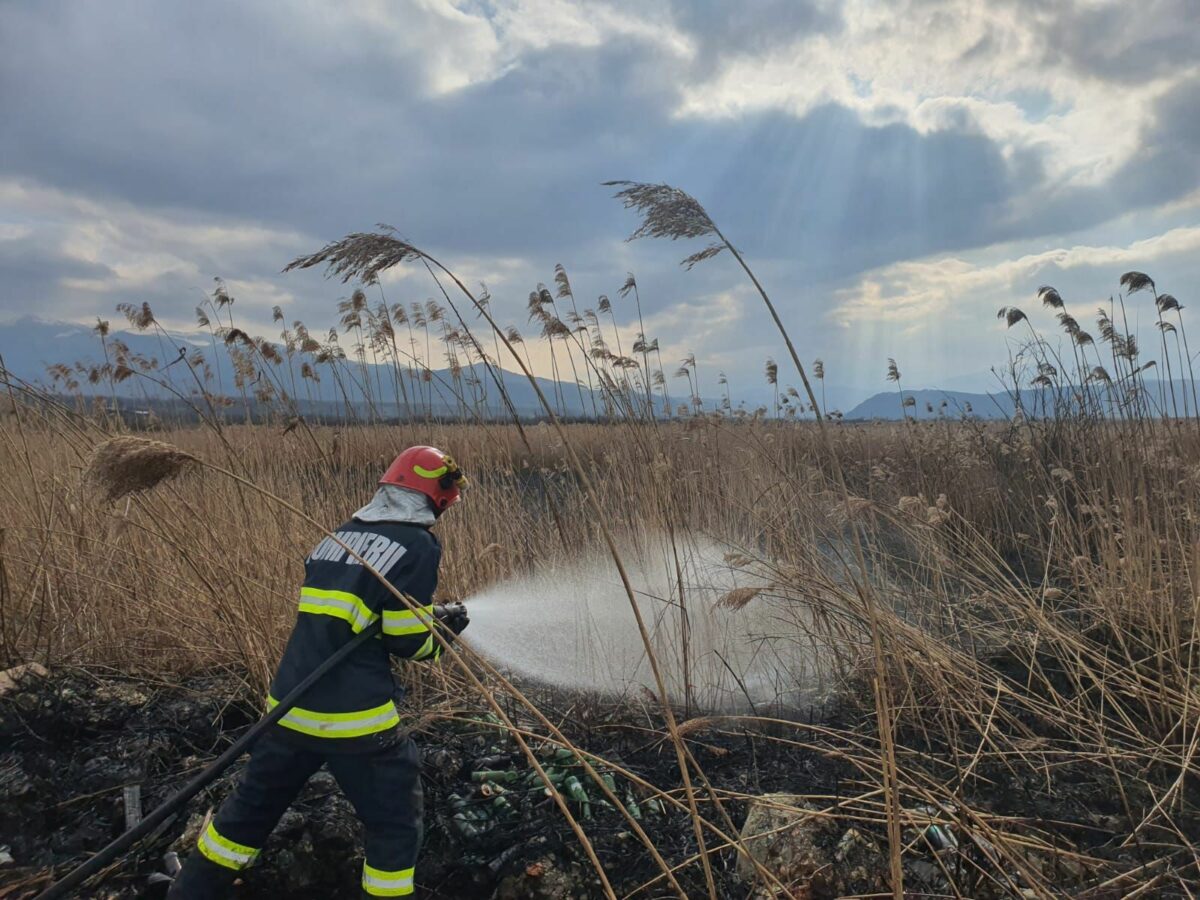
(168,807)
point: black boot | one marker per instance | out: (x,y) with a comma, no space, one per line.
(202,880)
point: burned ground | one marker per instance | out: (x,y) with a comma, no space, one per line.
(75,740)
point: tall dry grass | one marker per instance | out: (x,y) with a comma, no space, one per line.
(1036,587)
(1013,605)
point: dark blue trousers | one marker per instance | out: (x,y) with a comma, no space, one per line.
(384,787)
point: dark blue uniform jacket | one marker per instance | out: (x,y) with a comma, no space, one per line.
(353,707)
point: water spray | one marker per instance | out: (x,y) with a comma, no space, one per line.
(568,626)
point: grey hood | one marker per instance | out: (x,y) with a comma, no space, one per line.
(396,504)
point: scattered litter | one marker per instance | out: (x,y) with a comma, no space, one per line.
(941,838)
(131,796)
(11,678)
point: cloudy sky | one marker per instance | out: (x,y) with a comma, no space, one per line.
(895,171)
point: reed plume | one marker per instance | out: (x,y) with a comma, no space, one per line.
(668,212)
(738,598)
(362,255)
(128,465)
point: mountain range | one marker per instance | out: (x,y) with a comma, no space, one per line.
(29,347)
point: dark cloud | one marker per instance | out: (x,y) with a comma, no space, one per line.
(319,124)
(1168,163)
(32,272)
(723,29)
(1109,40)
(835,196)
(241,126)
(1119,41)
(1165,167)
(236,127)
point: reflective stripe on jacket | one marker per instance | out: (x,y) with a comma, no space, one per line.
(353,706)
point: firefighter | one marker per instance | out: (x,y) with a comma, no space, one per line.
(348,720)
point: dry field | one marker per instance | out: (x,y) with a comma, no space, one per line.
(1030,590)
(1005,613)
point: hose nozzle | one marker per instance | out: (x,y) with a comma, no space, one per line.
(453,616)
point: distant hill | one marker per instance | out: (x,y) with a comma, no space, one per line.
(931,404)
(29,347)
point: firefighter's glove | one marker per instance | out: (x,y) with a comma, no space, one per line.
(452,620)
(456,618)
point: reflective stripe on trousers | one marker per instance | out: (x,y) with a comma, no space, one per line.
(221,850)
(384,788)
(379,883)
(339,725)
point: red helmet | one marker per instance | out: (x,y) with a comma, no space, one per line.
(427,471)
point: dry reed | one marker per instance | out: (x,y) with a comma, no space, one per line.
(1026,589)
(128,465)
